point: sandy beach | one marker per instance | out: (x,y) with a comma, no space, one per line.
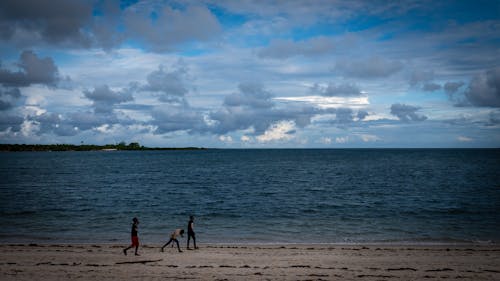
(251,262)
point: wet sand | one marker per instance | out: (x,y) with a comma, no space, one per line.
(251,262)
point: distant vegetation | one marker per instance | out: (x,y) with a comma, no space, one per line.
(85,147)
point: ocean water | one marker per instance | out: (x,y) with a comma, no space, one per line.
(252,196)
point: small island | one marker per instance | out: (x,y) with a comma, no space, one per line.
(87,147)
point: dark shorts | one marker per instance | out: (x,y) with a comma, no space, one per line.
(135,240)
(191,234)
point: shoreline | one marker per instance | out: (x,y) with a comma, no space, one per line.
(250,262)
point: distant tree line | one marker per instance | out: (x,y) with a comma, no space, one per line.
(86,147)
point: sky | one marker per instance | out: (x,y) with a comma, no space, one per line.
(251,74)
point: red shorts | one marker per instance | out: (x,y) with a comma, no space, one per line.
(135,241)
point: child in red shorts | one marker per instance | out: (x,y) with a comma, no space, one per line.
(135,238)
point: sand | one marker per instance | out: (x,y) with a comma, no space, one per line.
(251,262)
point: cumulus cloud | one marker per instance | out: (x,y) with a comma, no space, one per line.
(252,108)
(406,112)
(163,28)
(104,24)
(8,97)
(50,21)
(171,118)
(33,70)
(484,89)
(10,122)
(344,115)
(452,87)
(104,99)
(169,85)
(251,95)
(283,49)
(341,90)
(362,114)
(282,130)
(73,123)
(431,87)
(54,123)
(494,118)
(374,67)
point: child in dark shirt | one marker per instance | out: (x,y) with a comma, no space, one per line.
(134,237)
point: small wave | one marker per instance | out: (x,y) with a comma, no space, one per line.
(18,213)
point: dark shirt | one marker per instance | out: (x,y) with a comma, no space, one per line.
(190,226)
(134,229)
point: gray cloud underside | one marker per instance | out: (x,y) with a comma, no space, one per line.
(51,21)
(72,23)
(8,97)
(10,121)
(104,99)
(169,86)
(33,70)
(171,26)
(431,87)
(452,87)
(484,89)
(406,113)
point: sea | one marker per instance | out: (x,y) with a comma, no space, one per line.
(253,196)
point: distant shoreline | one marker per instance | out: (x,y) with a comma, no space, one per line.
(137,147)
(86,147)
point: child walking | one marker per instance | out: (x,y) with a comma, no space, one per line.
(191,232)
(134,237)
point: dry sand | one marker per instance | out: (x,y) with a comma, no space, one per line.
(251,262)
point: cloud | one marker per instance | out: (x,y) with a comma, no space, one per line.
(8,97)
(34,70)
(171,118)
(252,108)
(341,90)
(163,28)
(344,115)
(369,138)
(374,67)
(12,122)
(279,131)
(104,24)
(104,99)
(252,95)
(283,49)
(431,87)
(169,85)
(325,140)
(50,21)
(494,118)
(464,139)
(73,123)
(54,123)
(362,114)
(406,113)
(484,89)
(227,139)
(452,87)
(342,139)
(420,76)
